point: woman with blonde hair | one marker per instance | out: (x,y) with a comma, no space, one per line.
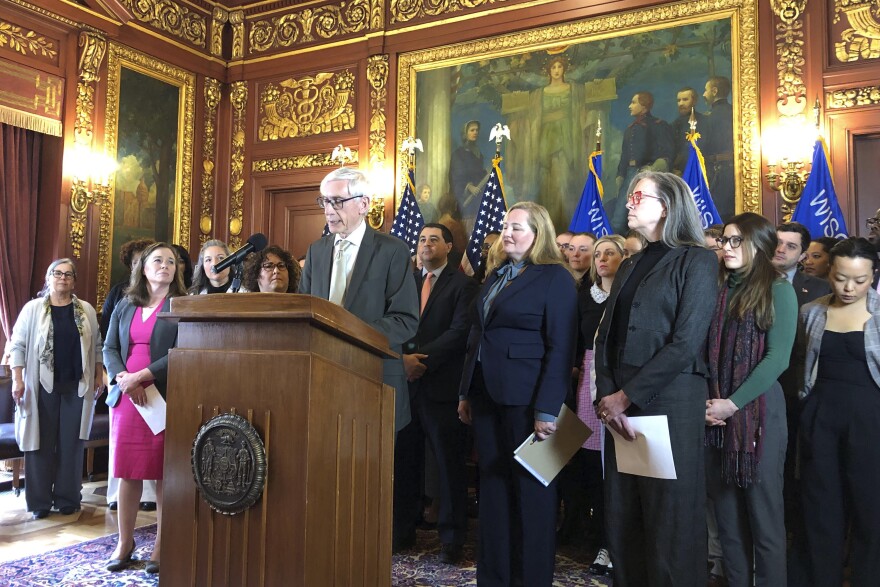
(516,375)
(205,281)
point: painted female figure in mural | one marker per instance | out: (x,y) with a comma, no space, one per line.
(467,174)
(546,156)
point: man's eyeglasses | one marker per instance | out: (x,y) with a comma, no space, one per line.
(59,274)
(735,241)
(336,203)
(872,222)
(563,246)
(635,198)
(268,266)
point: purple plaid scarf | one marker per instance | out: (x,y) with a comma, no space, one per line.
(735,349)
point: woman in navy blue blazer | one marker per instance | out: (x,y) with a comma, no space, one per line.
(516,375)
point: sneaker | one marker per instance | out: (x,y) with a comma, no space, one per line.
(602,564)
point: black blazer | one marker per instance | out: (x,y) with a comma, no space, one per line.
(116,344)
(668,323)
(380,292)
(443,332)
(526,343)
(808,288)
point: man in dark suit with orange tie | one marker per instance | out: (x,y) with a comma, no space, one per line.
(433,362)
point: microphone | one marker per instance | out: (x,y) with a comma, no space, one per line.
(255,244)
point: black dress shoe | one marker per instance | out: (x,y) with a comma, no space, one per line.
(399,544)
(112,506)
(148,506)
(68,510)
(451,554)
(152,567)
(119,564)
(40,514)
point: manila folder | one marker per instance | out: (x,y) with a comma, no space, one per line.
(545,458)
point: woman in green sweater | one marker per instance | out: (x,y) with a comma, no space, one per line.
(749,344)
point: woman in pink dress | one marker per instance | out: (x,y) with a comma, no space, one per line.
(136,357)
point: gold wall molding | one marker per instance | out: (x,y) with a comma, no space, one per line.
(92,49)
(117,57)
(239,98)
(298,162)
(377,75)
(310,24)
(171,17)
(862,40)
(26,41)
(43,12)
(219,18)
(791,90)
(744,50)
(852,97)
(407,10)
(213,94)
(310,105)
(377,14)
(236,19)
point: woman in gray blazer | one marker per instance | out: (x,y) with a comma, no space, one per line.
(650,361)
(136,356)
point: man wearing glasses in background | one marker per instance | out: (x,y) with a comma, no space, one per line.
(368,273)
(562,243)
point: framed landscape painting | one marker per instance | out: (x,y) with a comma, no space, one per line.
(150,110)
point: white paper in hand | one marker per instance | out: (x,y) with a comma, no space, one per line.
(650,454)
(153,412)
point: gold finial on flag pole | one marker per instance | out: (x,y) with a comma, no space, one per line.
(598,135)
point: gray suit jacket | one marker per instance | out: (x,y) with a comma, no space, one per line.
(381,292)
(116,344)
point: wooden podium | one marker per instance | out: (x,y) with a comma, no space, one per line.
(307,375)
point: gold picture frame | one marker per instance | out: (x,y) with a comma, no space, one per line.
(519,53)
(127,66)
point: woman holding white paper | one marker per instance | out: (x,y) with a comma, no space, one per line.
(515,377)
(136,356)
(649,362)
(749,345)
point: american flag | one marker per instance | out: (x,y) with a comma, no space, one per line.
(409,221)
(489,218)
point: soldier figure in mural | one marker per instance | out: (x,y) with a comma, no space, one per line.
(717,145)
(647,145)
(686,99)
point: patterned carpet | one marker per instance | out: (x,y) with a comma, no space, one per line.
(83,566)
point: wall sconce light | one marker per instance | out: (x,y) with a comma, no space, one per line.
(383,183)
(788,149)
(90,183)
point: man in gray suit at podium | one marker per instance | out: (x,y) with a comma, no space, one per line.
(368,273)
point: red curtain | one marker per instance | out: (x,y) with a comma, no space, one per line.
(19,187)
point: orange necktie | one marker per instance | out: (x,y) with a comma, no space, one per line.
(426,291)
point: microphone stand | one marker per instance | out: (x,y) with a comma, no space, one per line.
(236,277)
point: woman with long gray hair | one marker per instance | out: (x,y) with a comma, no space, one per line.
(649,358)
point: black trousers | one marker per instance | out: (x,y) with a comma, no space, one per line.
(840,482)
(517,513)
(657,527)
(438,423)
(53,473)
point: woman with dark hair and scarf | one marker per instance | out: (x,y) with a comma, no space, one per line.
(749,345)
(467,171)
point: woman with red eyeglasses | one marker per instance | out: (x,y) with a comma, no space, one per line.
(649,357)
